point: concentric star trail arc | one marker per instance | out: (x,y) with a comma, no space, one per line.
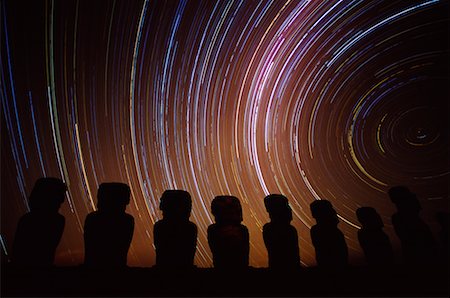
(335,100)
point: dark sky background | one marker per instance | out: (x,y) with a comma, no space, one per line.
(336,100)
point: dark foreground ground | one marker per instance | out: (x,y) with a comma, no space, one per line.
(359,281)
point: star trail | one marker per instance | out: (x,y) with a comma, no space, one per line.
(335,100)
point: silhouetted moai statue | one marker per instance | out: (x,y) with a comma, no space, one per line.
(373,240)
(280,237)
(109,230)
(418,245)
(39,231)
(228,239)
(443,220)
(327,239)
(175,236)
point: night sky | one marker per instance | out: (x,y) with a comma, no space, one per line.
(336,100)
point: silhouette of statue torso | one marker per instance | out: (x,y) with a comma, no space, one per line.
(175,236)
(108,231)
(39,231)
(417,241)
(280,237)
(228,238)
(374,242)
(443,220)
(327,239)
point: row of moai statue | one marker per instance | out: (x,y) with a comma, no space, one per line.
(108,231)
